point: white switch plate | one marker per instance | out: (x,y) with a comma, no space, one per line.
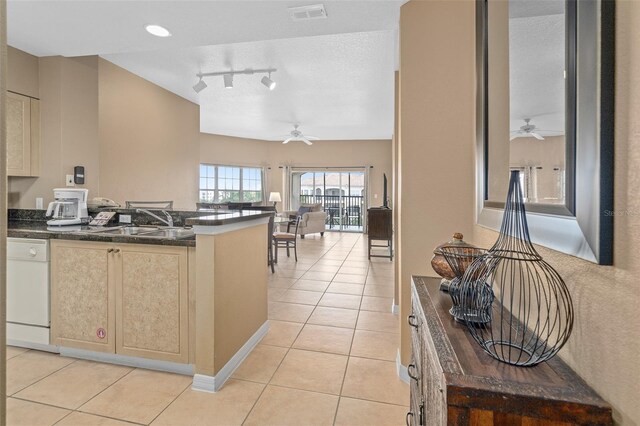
(374,196)
(39,203)
(70,180)
(124,218)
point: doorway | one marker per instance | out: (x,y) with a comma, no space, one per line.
(341,192)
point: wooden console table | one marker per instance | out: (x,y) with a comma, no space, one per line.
(454,382)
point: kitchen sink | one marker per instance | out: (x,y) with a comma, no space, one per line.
(171,233)
(126,230)
(145,231)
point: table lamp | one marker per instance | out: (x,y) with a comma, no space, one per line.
(275,198)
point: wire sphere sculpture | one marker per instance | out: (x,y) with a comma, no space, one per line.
(531,317)
(479,309)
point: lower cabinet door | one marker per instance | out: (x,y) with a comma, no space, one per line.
(82,296)
(152,303)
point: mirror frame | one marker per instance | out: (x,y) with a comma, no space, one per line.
(583,227)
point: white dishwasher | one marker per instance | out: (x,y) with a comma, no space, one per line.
(28,293)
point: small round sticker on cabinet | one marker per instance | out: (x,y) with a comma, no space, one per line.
(101,333)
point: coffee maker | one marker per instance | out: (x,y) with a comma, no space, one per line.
(69,207)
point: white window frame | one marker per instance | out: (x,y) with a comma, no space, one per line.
(216,190)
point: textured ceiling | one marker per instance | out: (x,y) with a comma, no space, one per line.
(537,62)
(337,86)
(335,75)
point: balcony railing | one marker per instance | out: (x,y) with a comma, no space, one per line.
(347,209)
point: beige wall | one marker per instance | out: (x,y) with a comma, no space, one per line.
(149,140)
(68,93)
(216,149)
(437,134)
(23,73)
(605,343)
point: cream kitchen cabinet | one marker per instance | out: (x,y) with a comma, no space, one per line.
(83,291)
(128,299)
(23,135)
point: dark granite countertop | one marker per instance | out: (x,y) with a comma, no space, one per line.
(40,230)
(227,217)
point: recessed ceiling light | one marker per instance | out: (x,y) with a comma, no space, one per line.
(157,30)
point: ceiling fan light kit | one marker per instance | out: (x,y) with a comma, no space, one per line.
(228,78)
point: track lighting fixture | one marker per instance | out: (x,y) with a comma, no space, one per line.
(199,86)
(268,82)
(228,81)
(228,78)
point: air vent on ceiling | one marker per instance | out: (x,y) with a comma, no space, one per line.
(305,13)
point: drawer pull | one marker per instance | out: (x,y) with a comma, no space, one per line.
(407,419)
(413,376)
(413,322)
(110,250)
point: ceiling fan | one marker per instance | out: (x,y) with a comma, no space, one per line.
(525,131)
(531,130)
(297,135)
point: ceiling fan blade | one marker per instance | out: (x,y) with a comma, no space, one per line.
(305,140)
(537,136)
(559,132)
(312,138)
(515,136)
(287,140)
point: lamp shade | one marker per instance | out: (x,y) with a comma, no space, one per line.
(275,197)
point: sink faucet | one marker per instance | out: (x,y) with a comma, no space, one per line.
(168,221)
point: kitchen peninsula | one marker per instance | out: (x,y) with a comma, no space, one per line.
(191,305)
(230,292)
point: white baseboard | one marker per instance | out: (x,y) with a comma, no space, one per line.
(401,369)
(204,383)
(129,361)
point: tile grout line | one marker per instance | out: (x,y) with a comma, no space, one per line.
(286,353)
(296,338)
(346,368)
(102,391)
(42,378)
(172,401)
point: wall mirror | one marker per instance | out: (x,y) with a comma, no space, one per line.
(545,108)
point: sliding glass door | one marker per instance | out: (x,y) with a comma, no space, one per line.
(342,194)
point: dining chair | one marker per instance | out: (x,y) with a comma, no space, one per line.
(270,242)
(287,239)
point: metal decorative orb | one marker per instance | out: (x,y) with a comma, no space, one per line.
(531,317)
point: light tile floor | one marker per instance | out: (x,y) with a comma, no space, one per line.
(329,358)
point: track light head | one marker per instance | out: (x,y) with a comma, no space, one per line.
(199,86)
(228,81)
(268,82)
